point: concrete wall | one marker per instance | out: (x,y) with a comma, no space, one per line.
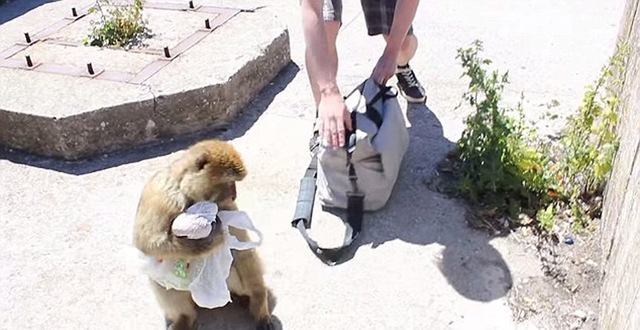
(620,295)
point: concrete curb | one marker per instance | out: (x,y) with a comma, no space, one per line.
(157,117)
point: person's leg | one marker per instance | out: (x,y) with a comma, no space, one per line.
(379,15)
(408,50)
(408,83)
(332,12)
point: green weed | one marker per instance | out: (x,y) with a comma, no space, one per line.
(501,165)
(588,144)
(546,217)
(119,25)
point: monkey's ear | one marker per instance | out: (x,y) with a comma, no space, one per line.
(201,160)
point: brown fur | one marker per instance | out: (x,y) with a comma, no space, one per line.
(206,172)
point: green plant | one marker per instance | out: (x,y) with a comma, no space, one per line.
(500,167)
(119,25)
(588,143)
(546,217)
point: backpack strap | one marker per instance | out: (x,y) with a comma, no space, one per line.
(372,113)
(355,198)
(307,192)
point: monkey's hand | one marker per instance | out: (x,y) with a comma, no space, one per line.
(194,248)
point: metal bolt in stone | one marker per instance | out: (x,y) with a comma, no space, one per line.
(207,23)
(166,52)
(27,38)
(29,62)
(90,69)
(74,12)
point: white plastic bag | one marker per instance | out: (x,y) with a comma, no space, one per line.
(205,278)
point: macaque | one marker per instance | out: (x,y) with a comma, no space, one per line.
(207,171)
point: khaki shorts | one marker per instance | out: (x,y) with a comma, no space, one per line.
(378,14)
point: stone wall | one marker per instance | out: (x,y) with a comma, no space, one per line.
(620,295)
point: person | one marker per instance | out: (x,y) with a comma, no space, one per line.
(321,21)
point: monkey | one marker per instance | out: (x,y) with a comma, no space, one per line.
(207,171)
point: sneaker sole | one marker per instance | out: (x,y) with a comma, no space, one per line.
(412,99)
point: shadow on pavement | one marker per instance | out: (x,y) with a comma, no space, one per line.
(17,8)
(243,122)
(234,316)
(417,215)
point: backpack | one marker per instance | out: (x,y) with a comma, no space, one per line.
(360,176)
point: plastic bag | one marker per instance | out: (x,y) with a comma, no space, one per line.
(206,278)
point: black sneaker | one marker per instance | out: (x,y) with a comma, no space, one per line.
(409,85)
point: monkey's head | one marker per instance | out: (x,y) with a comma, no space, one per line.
(208,171)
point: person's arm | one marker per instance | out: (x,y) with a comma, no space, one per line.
(318,63)
(404,14)
(333,115)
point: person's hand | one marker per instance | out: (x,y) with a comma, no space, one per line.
(384,69)
(333,118)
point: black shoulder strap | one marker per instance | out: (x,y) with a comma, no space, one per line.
(372,113)
(355,198)
(307,192)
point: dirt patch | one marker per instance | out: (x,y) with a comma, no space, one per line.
(567,296)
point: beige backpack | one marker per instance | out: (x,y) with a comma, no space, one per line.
(361,176)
